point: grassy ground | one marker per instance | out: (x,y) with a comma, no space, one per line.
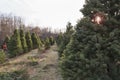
(40,65)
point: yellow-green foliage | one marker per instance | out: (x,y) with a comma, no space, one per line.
(15,46)
(33,60)
(2,56)
(16,75)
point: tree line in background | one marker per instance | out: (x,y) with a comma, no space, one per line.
(20,38)
(92,51)
(21,42)
(9,22)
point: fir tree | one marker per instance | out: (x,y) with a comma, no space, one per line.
(66,38)
(14,46)
(35,41)
(29,41)
(94,50)
(59,39)
(51,39)
(23,41)
(47,43)
(40,42)
(7,39)
(2,56)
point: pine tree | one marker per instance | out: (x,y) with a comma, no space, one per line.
(14,46)
(40,42)
(29,41)
(51,39)
(59,39)
(7,39)
(93,52)
(23,41)
(47,43)
(35,41)
(2,56)
(66,38)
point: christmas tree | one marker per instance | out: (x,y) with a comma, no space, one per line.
(35,41)
(40,43)
(59,39)
(66,38)
(15,46)
(7,39)
(93,53)
(29,41)
(51,40)
(23,41)
(47,43)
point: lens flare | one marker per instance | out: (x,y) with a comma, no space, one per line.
(98,19)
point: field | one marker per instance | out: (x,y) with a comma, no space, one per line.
(40,65)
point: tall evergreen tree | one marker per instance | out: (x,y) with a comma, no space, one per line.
(14,46)
(35,41)
(94,50)
(51,39)
(47,43)
(59,39)
(66,38)
(40,42)
(23,40)
(7,39)
(29,41)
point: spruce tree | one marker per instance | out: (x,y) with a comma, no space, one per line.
(35,41)
(47,43)
(23,40)
(93,52)
(7,39)
(29,41)
(59,39)
(14,46)
(40,42)
(51,40)
(66,38)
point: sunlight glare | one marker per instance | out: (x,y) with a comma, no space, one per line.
(98,19)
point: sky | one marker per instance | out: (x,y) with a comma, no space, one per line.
(44,13)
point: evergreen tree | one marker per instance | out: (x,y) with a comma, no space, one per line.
(7,39)
(40,42)
(29,41)
(47,43)
(59,38)
(94,50)
(14,46)
(51,39)
(35,41)
(66,38)
(23,41)
(2,56)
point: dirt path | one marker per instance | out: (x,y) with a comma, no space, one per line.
(48,68)
(40,65)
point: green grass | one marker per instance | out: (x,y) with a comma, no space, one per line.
(16,75)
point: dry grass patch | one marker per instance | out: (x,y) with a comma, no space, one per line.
(40,65)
